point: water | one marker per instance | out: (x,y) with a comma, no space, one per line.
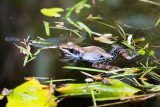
(23,18)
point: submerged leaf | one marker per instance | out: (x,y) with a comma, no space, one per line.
(30,94)
(116,89)
(51,12)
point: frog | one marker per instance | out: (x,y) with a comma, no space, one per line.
(96,55)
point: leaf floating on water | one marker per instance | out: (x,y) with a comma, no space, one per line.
(151,52)
(126,44)
(46,25)
(90,17)
(80,7)
(141,52)
(74,31)
(77,7)
(82,25)
(51,12)
(137,40)
(116,89)
(30,94)
(158,21)
(106,38)
(25,60)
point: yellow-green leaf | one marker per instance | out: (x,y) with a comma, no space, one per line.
(106,38)
(46,25)
(151,52)
(141,52)
(51,12)
(137,40)
(116,89)
(82,25)
(30,94)
(158,21)
(126,44)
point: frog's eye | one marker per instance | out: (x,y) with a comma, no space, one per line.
(71,50)
(64,48)
(101,56)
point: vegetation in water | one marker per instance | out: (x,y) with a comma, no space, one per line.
(97,87)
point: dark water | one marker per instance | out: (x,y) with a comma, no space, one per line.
(20,18)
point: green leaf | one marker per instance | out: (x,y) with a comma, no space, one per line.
(141,52)
(73,23)
(151,52)
(26,51)
(158,21)
(51,12)
(46,26)
(146,83)
(82,25)
(97,70)
(137,40)
(31,59)
(87,5)
(87,69)
(30,94)
(74,31)
(126,44)
(116,89)
(90,17)
(41,42)
(93,98)
(155,89)
(59,80)
(25,60)
(37,52)
(78,5)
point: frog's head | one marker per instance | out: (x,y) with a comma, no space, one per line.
(69,48)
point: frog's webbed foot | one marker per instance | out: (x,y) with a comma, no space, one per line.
(101,66)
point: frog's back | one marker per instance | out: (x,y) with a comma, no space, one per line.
(97,50)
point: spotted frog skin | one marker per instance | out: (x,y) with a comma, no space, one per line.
(96,55)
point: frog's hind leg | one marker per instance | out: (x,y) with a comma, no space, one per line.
(101,66)
(125,54)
